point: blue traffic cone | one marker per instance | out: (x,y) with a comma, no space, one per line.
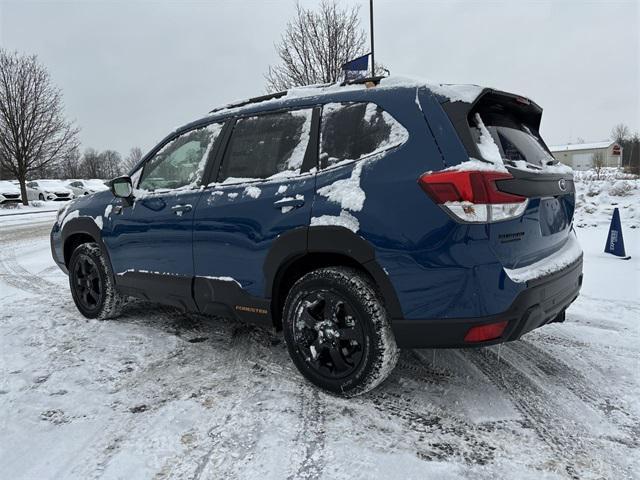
(615,242)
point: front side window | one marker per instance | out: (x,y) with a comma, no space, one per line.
(181,162)
(267,145)
(351,131)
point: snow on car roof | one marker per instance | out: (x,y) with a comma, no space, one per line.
(51,182)
(452,92)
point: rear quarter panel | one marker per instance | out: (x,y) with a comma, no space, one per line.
(439,268)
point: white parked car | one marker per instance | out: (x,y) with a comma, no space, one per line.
(48,190)
(9,192)
(86,187)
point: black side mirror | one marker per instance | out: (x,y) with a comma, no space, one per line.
(122,187)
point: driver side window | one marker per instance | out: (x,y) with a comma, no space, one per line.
(181,162)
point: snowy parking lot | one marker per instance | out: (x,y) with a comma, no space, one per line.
(159,394)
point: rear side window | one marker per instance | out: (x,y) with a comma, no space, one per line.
(267,145)
(181,162)
(351,131)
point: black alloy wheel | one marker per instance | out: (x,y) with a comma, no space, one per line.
(87,282)
(329,334)
(92,283)
(337,331)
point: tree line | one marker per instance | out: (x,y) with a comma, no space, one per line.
(90,164)
(36,140)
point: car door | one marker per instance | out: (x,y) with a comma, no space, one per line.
(149,237)
(264,188)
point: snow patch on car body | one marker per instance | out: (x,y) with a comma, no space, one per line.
(345,219)
(564,257)
(488,148)
(252,191)
(289,208)
(69,216)
(224,279)
(346,192)
(475,165)
(282,189)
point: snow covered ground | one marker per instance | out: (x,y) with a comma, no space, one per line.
(157,394)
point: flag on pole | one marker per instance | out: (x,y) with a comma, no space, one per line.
(615,242)
(356,68)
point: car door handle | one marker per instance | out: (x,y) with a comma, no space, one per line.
(180,209)
(289,202)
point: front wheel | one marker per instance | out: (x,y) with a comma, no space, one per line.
(92,285)
(337,331)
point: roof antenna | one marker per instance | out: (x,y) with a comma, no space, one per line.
(373,63)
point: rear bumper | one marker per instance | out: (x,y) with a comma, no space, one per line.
(543,302)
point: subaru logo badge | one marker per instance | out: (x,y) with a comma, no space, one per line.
(562,183)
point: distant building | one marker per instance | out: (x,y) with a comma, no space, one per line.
(582,156)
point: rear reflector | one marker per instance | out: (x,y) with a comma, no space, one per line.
(484,333)
(473,196)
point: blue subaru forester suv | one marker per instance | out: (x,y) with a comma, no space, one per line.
(357,218)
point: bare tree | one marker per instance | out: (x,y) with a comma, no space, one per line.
(598,163)
(132,159)
(633,150)
(315,45)
(110,164)
(620,133)
(91,163)
(33,130)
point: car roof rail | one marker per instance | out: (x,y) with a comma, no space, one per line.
(271,96)
(242,103)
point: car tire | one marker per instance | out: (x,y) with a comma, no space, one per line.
(41,197)
(92,284)
(337,331)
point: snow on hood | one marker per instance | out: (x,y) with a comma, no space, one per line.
(8,187)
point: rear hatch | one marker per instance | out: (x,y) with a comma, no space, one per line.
(544,230)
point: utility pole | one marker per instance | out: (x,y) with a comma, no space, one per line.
(373,64)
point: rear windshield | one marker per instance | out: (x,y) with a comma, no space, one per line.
(515,140)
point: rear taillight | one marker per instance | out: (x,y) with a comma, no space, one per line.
(473,196)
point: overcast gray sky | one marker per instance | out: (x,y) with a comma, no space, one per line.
(131,71)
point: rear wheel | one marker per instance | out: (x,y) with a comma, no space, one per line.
(337,331)
(91,283)
(41,197)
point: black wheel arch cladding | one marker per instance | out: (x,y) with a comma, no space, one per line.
(301,242)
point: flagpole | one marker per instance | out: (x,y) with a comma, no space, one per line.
(373,67)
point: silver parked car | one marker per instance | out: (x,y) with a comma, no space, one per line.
(48,190)
(9,192)
(86,187)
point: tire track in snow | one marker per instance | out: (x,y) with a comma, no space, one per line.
(441,437)
(568,377)
(15,274)
(18,277)
(550,421)
(232,441)
(311,434)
